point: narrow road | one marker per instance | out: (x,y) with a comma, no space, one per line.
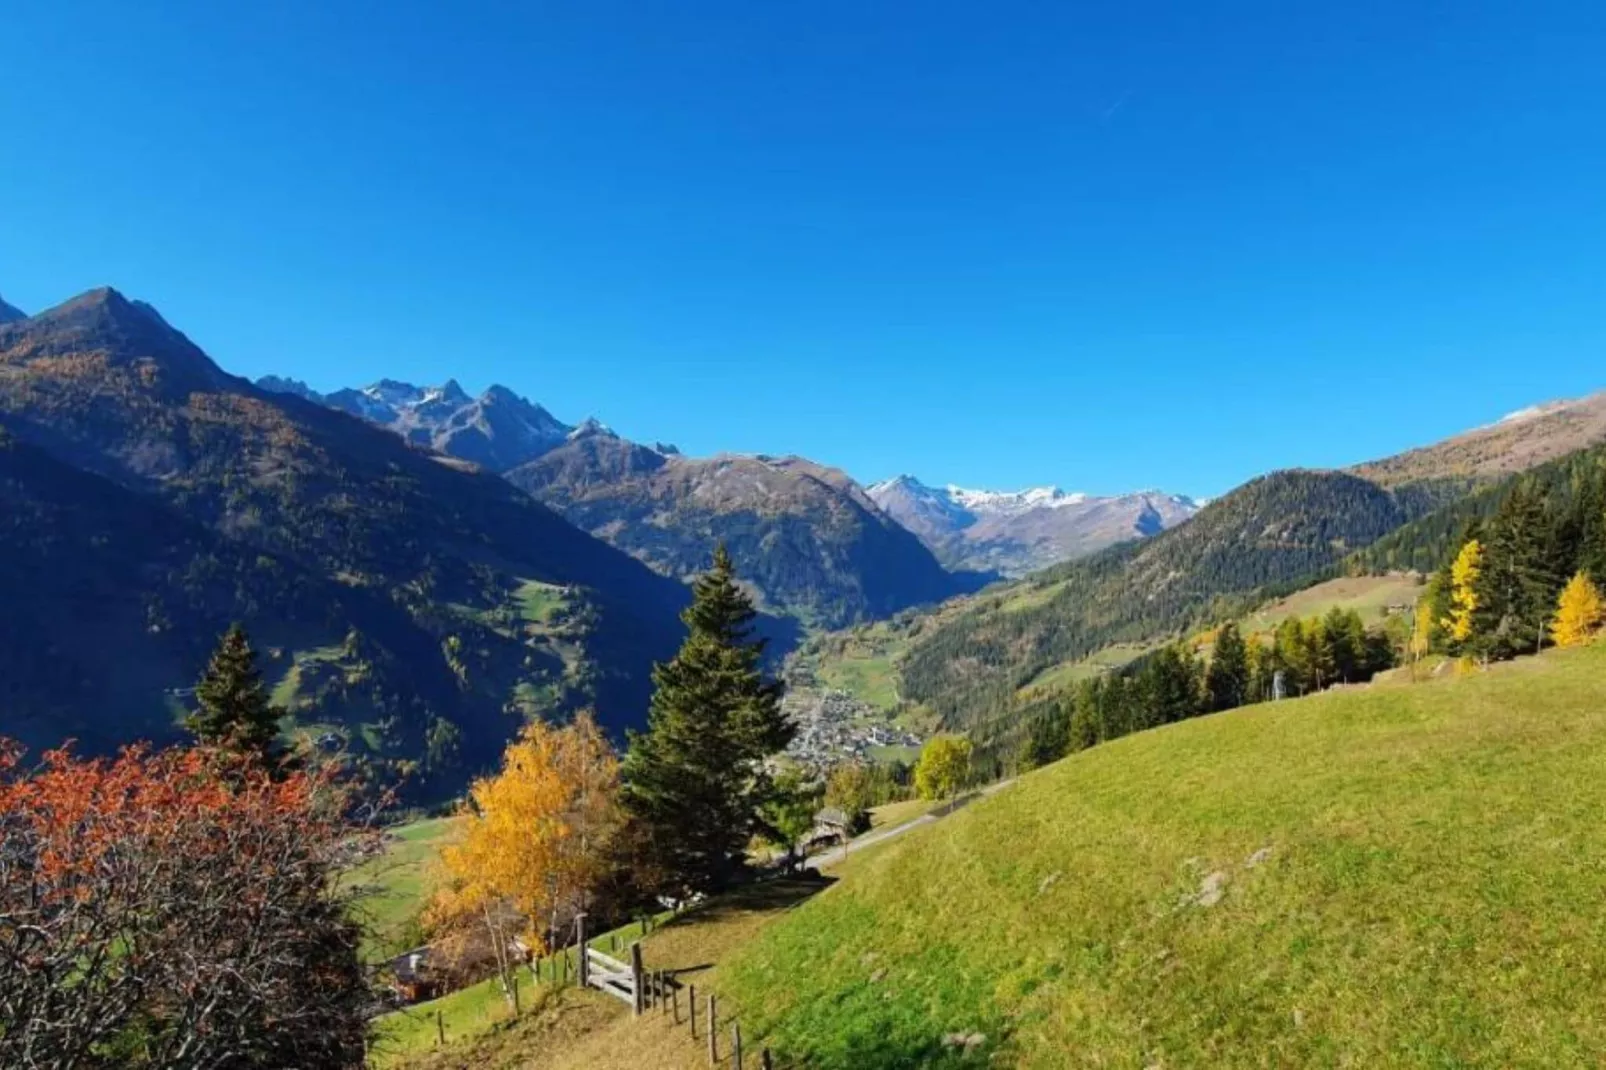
(870,839)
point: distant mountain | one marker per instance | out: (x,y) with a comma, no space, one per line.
(1014,533)
(808,537)
(498,430)
(10,313)
(1517,442)
(280,385)
(419,609)
(969,666)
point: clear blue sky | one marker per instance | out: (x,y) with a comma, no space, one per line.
(1107,246)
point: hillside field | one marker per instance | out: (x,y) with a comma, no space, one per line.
(1375,877)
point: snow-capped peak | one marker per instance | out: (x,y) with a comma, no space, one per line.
(1019,501)
(591,426)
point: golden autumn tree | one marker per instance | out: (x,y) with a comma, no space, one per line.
(943,767)
(535,843)
(1464,573)
(1422,631)
(1579,612)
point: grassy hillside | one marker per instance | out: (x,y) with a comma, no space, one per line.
(398,883)
(1396,876)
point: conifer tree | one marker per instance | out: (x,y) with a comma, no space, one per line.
(1579,612)
(1521,573)
(694,781)
(233,711)
(1050,738)
(1227,679)
(1085,720)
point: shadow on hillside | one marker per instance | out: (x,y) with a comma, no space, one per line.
(760,897)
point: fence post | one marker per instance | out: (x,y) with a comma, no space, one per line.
(663,992)
(736,1045)
(636,975)
(713,1031)
(440,1027)
(691,1004)
(580,946)
(674,1003)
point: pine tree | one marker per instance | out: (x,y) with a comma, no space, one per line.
(694,781)
(1050,738)
(1227,679)
(1521,572)
(1579,612)
(1084,726)
(233,708)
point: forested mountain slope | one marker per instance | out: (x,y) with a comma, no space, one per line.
(1238,549)
(1426,543)
(461,600)
(808,538)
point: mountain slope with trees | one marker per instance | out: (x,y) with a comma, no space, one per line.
(810,540)
(1237,551)
(433,604)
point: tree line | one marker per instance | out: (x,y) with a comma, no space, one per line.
(1175,683)
(1525,575)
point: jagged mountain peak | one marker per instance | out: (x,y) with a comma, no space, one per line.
(279,384)
(591,426)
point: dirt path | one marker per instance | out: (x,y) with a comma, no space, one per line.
(870,839)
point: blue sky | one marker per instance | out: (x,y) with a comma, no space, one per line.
(1107,246)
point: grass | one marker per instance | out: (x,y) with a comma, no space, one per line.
(399,879)
(562,1026)
(288,687)
(1369,596)
(537,602)
(898,813)
(1405,876)
(870,678)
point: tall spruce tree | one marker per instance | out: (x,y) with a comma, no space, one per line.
(1227,678)
(233,711)
(694,781)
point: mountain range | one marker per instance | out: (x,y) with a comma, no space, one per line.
(416,607)
(988,664)
(1014,533)
(817,546)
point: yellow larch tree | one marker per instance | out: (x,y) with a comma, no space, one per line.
(1464,574)
(535,842)
(1579,612)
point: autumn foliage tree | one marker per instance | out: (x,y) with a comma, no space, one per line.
(1579,612)
(1464,574)
(175,909)
(536,846)
(943,768)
